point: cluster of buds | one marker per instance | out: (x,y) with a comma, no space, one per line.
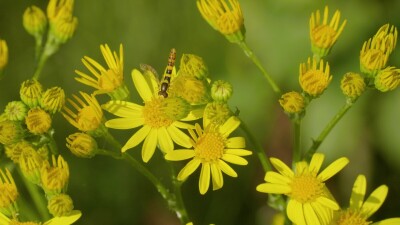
(374,57)
(62,22)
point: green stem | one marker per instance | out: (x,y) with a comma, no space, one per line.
(37,197)
(317,142)
(49,49)
(261,155)
(51,142)
(178,206)
(296,141)
(111,140)
(249,53)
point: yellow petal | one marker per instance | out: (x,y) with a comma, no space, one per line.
(277,178)
(123,108)
(236,142)
(178,155)
(183,125)
(391,221)
(149,145)
(273,188)
(281,167)
(189,169)
(358,193)
(316,162)
(216,176)
(141,85)
(295,212)
(194,114)
(333,168)
(234,159)
(164,140)
(374,201)
(124,123)
(179,137)
(65,220)
(204,180)
(226,168)
(328,203)
(4,220)
(310,215)
(136,138)
(229,126)
(239,152)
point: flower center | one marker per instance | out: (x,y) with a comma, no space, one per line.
(155,115)
(323,36)
(350,217)
(87,119)
(210,147)
(306,188)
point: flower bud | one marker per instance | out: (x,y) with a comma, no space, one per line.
(221,91)
(292,102)
(193,65)
(10,132)
(387,79)
(82,145)
(53,99)
(60,205)
(352,85)
(34,21)
(14,151)
(30,163)
(314,80)
(195,91)
(31,92)
(16,111)
(217,113)
(8,193)
(55,176)
(38,121)
(3,54)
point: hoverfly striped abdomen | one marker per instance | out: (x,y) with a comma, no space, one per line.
(167,75)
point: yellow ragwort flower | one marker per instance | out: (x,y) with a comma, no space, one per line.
(3,54)
(34,21)
(14,151)
(55,176)
(82,145)
(387,79)
(193,65)
(62,23)
(31,92)
(38,121)
(352,85)
(309,200)
(212,149)
(314,80)
(10,132)
(53,100)
(16,111)
(227,18)
(89,115)
(60,205)
(221,91)
(8,192)
(292,102)
(323,35)
(359,210)
(158,118)
(375,52)
(195,91)
(105,80)
(30,163)
(63,220)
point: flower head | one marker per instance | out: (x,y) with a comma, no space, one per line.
(60,205)
(34,21)
(195,91)
(314,80)
(105,80)
(30,163)
(221,91)
(217,113)
(62,23)
(194,66)
(53,99)
(82,145)
(31,92)
(212,149)
(10,132)
(14,151)
(352,85)
(375,52)
(359,210)
(323,35)
(3,54)
(227,18)
(158,118)
(88,117)
(309,200)
(38,121)
(16,111)
(387,79)
(55,176)
(292,102)
(8,192)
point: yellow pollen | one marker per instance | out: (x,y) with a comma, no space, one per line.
(154,115)
(210,147)
(350,217)
(306,188)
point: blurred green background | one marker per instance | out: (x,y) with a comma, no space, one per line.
(110,192)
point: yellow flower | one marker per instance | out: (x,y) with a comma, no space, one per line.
(60,205)
(158,118)
(221,91)
(193,65)
(38,121)
(292,102)
(55,176)
(323,35)
(31,92)
(63,220)
(352,85)
(10,132)
(34,21)
(212,149)
(217,113)
(14,151)
(62,23)
(30,163)
(82,145)
(359,210)
(314,80)
(195,91)
(15,111)
(105,80)
(309,200)
(375,52)
(387,79)
(223,17)
(53,99)
(3,54)
(8,193)
(89,115)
